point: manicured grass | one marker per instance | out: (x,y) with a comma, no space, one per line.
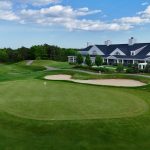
(31,99)
(70,116)
(67,101)
(50,63)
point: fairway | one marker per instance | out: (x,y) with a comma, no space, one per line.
(34,99)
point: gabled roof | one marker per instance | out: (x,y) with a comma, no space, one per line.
(125,48)
(117,50)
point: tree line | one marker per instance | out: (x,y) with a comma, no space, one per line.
(47,52)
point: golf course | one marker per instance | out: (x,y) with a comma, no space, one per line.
(41,114)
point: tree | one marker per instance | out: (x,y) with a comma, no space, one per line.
(36,52)
(23,53)
(120,68)
(98,61)
(88,60)
(79,59)
(147,68)
(3,56)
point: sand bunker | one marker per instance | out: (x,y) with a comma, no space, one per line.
(110,82)
(58,77)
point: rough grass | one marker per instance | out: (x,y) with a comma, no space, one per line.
(51,63)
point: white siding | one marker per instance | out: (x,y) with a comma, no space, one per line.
(117,50)
(95,51)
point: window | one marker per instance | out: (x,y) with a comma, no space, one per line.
(94,52)
(132,53)
(117,53)
(72,59)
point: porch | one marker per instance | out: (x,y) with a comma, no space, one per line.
(122,61)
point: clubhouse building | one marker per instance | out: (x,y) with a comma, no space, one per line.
(130,53)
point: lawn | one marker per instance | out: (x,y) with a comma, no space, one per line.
(36,114)
(32,99)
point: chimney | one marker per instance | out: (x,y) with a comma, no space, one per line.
(89,44)
(108,42)
(132,41)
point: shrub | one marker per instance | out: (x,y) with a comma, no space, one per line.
(147,69)
(71,63)
(133,69)
(130,70)
(120,68)
(103,70)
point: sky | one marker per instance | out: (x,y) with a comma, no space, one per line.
(73,23)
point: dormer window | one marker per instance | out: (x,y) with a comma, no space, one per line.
(132,53)
(148,54)
(135,52)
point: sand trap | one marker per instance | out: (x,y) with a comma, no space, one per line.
(111,82)
(58,77)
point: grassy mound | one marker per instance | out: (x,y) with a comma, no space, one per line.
(57,101)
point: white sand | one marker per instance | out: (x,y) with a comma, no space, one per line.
(58,77)
(111,82)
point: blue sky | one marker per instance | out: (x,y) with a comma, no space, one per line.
(72,23)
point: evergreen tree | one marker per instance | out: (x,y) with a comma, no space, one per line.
(79,59)
(88,61)
(120,68)
(98,61)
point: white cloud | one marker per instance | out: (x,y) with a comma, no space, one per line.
(68,17)
(43,2)
(134,20)
(145,13)
(59,10)
(5,5)
(142,17)
(90,25)
(6,12)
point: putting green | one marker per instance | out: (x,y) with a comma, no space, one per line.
(40,100)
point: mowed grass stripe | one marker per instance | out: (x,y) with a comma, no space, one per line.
(32,99)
